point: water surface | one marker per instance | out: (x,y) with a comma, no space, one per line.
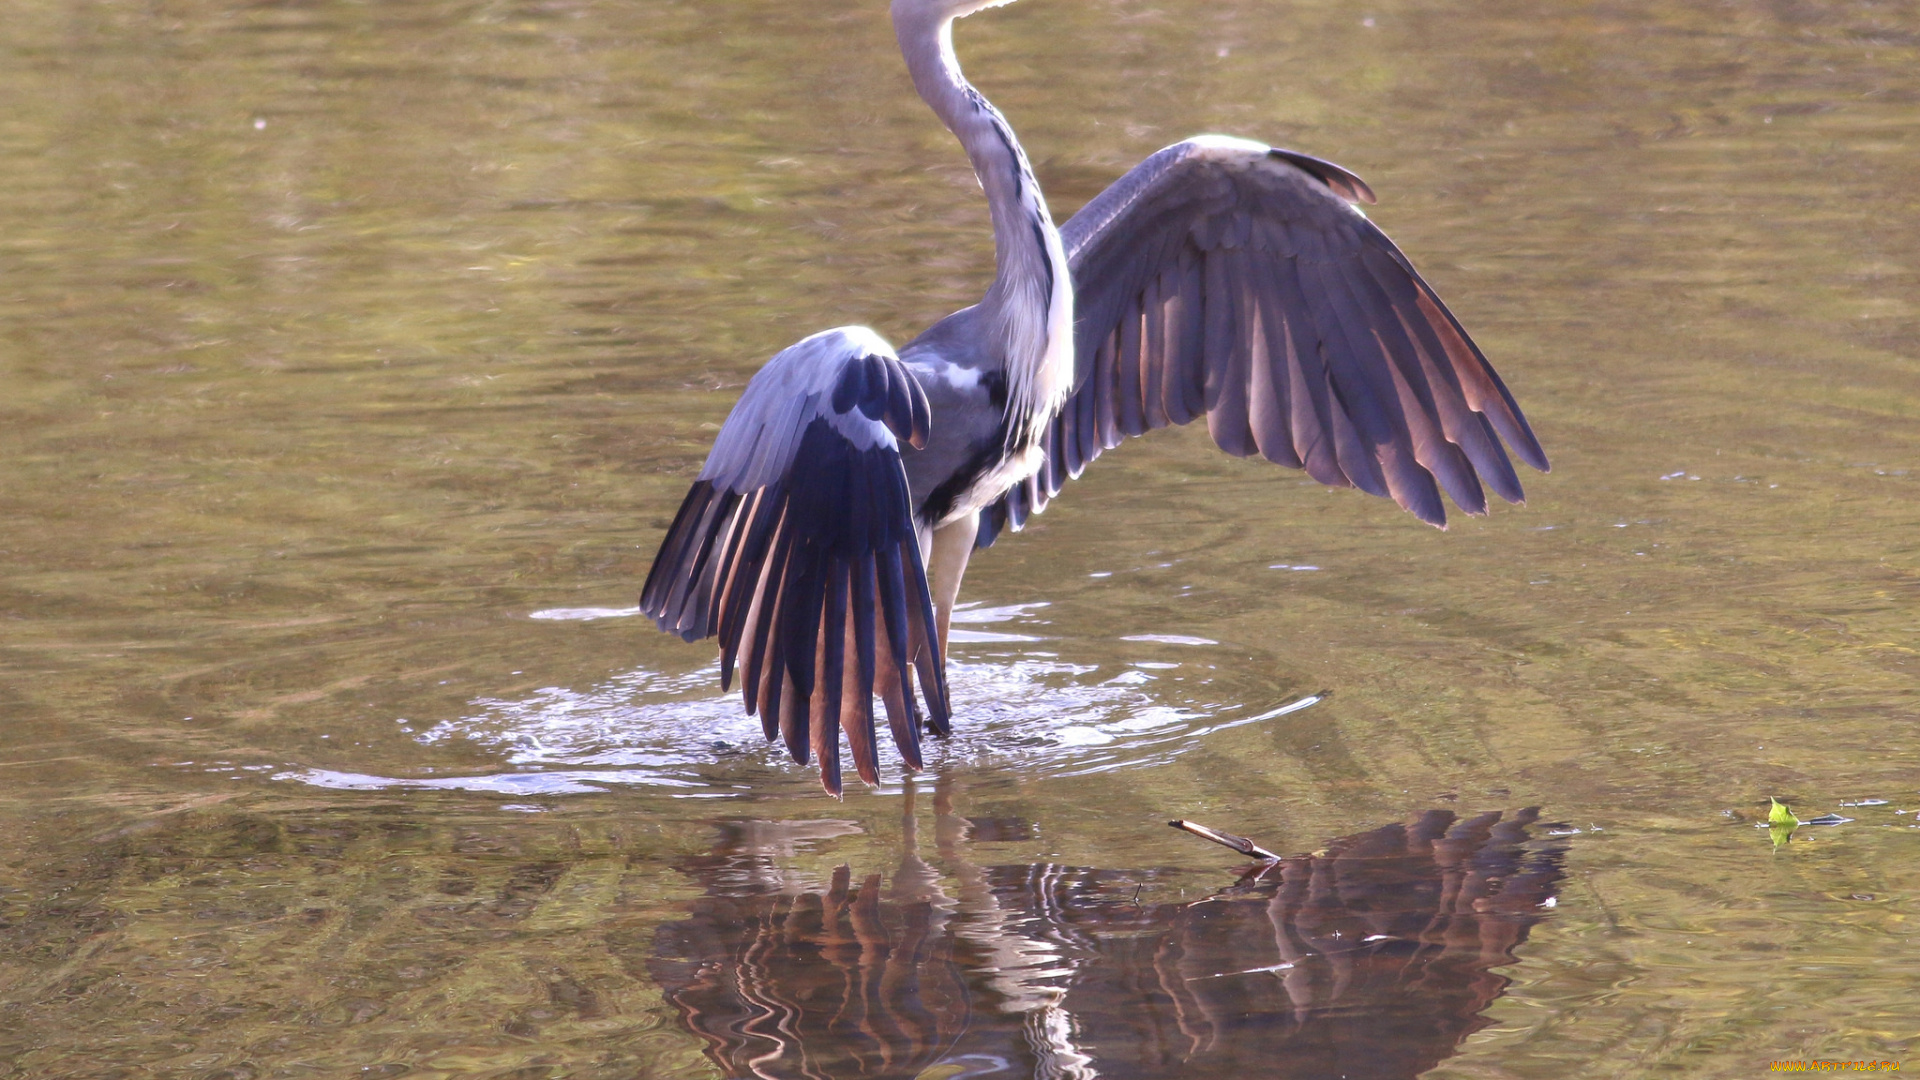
(352,355)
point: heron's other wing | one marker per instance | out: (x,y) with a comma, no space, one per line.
(1227,279)
(797,548)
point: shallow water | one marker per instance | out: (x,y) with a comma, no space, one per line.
(356,355)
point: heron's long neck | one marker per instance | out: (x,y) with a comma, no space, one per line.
(1030,304)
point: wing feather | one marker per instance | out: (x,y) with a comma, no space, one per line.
(1228,359)
(1132,408)
(829,677)
(1368,389)
(1085,445)
(1186,338)
(1268,410)
(1153,356)
(798,630)
(1106,400)
(738,594)
(1057,454)
(856,721)
(797,547)
(1362,469)
(902,715)
(1226,278)
(1316,438)
(1423,403)
(1464,426)
(763,662)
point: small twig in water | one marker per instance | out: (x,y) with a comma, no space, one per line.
(1238,843)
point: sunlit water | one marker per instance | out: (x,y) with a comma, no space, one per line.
(353,359)
(1029,711)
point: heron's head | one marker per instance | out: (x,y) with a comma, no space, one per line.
(936,11)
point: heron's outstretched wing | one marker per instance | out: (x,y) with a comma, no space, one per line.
(797,547)
(1227,279)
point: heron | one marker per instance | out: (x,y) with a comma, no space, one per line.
(826,536)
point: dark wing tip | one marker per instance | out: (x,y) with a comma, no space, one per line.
(1343,183)
(854,387)
(679,587)
(1421,499)
(896,400)
(883,389)
(921,413)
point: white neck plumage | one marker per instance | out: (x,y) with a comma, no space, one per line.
(1030,303)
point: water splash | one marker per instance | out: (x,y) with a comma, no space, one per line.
(1026,710)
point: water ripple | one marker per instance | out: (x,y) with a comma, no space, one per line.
(1031,711)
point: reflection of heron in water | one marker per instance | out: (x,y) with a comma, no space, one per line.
(1219,278)
(1371,958)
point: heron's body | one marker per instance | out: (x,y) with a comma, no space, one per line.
(827,535)
(997,372)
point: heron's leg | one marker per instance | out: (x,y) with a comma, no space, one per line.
(952,545)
